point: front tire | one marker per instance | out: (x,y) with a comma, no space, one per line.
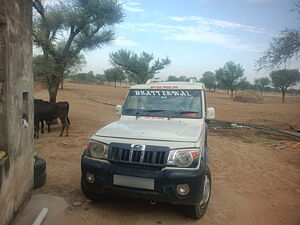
(95,197)
(197,211)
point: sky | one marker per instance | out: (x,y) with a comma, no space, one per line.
(199,35)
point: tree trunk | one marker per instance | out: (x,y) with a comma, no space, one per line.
(54,86)
(283,95)
(115,84)
(261,91)
(231,94)
(53,92)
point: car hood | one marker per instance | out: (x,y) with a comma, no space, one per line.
(168,130)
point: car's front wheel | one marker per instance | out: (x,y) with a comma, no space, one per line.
(197,211)
(91,195)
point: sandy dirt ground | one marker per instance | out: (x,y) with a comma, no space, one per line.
(271,113)
(252,181)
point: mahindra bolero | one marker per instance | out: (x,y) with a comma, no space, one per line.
(157,150)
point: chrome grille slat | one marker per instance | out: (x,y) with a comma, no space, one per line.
(152,156)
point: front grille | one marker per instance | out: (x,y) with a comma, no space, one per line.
(152,155)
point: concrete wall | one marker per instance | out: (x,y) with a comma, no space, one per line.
(16,82)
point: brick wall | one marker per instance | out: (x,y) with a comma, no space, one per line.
(16,99)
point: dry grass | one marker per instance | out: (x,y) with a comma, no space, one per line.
(271,113)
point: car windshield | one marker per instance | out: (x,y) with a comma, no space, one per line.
(163,103)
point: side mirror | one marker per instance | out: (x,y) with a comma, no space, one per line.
(119,109)
(210,113)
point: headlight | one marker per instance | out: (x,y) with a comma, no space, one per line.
(98,150)
(184,158)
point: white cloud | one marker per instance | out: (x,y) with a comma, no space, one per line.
(121,41)
(133,6)
(196,33)
(220,23)
(212,38)
(133,3)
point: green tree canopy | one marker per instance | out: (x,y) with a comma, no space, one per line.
(89,76)
(283,79)
(40,71)
(172,78)
(114,75)
(65,29)
(244,84)
(139,68)
(209,80)
(230,76)
(262,83)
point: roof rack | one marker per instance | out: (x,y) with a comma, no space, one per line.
(155,80)
(193,81)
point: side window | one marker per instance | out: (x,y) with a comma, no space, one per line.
(131,102)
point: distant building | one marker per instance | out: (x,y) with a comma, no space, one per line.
(16,103)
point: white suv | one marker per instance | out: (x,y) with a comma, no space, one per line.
(156,151)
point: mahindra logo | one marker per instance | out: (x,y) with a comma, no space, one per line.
(138,147)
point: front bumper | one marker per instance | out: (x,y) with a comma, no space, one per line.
(165,181)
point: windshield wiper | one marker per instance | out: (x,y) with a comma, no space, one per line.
(184,112)
(147,112)
(162,112)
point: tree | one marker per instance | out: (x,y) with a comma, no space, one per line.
(183,78)
(219,76)
(297,7)
(209,79)
(64,30)
(138,67)
(230,75)
(282,49)
(172,78)
(41,72)
(89,76)
(243,84)
(283,79)
(100,77)
(74,66)
(261,83)
(114,75)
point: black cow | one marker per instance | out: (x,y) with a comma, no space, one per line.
(46,111)
(61,105)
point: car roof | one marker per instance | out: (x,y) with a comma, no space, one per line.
(170,85)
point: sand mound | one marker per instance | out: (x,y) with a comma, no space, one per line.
(248,96)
